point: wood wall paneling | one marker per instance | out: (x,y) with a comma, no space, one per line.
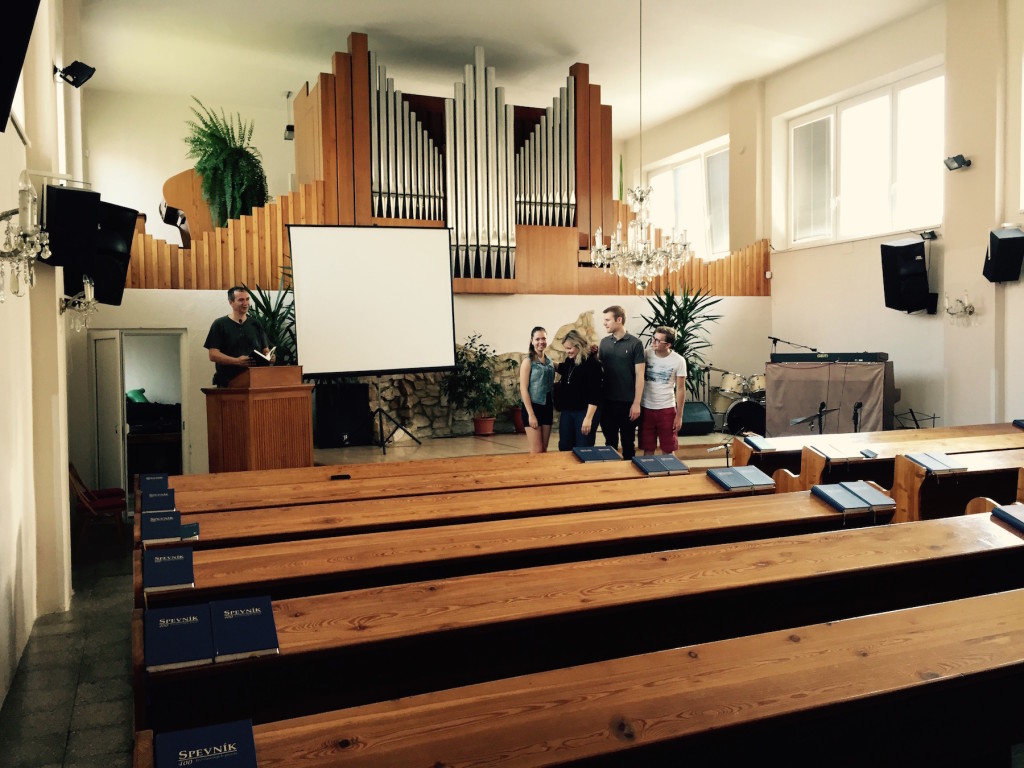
(607,210)
(328,140)
(359,51)
(581,73)
(342,64)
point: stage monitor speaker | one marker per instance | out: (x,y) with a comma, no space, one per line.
(1005,255)
(904,275)
(697,419)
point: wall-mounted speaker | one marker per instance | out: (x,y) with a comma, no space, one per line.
(905,275)
(1004,256)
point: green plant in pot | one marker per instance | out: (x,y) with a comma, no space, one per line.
(234,181)
(688,314)
(474,383)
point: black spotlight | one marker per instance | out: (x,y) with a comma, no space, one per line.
(75,74)
(957,161)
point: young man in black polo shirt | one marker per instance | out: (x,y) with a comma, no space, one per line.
(233,338)
(622,357)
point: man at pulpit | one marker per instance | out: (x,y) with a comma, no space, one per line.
(235,338)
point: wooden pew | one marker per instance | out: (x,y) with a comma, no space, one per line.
(392,486)
(934,685)
(350,648)
(786,453)
(332,519)
(921,495)
(825,462)
(552,461)
(363,560)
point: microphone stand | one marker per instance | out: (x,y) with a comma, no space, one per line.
(856,416)
(821,417)
(775,340)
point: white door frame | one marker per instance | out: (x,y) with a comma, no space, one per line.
(93,337)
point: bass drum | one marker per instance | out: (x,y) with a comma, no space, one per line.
(745,416)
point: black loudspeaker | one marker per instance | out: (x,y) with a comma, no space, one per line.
(904,275)
(697,419)
(108,268)
(89,237)
(1005,255)
(19,19)
(342,412)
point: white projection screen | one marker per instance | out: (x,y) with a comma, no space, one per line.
(372,300)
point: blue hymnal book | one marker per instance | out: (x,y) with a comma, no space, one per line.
(758,443)
(597,453)
(728,478)
(1011,514)
(741,478)
(153,481)
(243,628)
(228,745)
(189,531)
(937,463)
(650,465)
(672,465)
(158,501)
(874,497)
(840,498)
(867,453)
(168,568)
(160,527)
(177,637)
(1018,423)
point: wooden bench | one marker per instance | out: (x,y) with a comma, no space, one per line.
(332,519)
(459,480)
(934,685)
(350,648)
(786,453)
(921,495)
(362,560)
(824,462)
(551,461)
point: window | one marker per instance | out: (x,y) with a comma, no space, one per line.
(693,195)
(871,165)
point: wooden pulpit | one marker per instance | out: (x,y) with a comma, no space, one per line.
(263,419)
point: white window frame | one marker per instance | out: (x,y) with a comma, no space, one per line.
(700,152)
(835,112)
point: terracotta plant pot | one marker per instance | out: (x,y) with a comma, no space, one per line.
(483,425)
(515,415)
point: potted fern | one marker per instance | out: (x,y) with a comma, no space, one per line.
(234,181)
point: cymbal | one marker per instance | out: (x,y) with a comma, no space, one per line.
(812,417)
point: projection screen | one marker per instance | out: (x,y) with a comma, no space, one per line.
(372,300)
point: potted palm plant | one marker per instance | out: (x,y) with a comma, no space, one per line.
(688,314)
(474,383)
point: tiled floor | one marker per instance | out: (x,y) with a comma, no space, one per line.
(70,703)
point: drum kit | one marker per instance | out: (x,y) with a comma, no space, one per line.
(739,401)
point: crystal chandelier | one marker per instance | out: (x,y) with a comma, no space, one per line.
(636,258)
(22,242)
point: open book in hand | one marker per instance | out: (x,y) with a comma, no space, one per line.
(258,358)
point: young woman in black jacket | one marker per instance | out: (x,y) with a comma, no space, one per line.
(579,393)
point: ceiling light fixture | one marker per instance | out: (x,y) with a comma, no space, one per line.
(636,258)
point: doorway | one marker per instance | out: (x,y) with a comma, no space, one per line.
(140,400)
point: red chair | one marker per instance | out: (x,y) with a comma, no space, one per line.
(96,506)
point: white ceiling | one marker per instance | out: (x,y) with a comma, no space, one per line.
(257,50)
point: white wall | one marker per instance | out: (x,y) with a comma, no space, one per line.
(17,495)
(153,362)
(134,143)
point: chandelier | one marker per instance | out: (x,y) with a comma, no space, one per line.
(636,258)
(22,243)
